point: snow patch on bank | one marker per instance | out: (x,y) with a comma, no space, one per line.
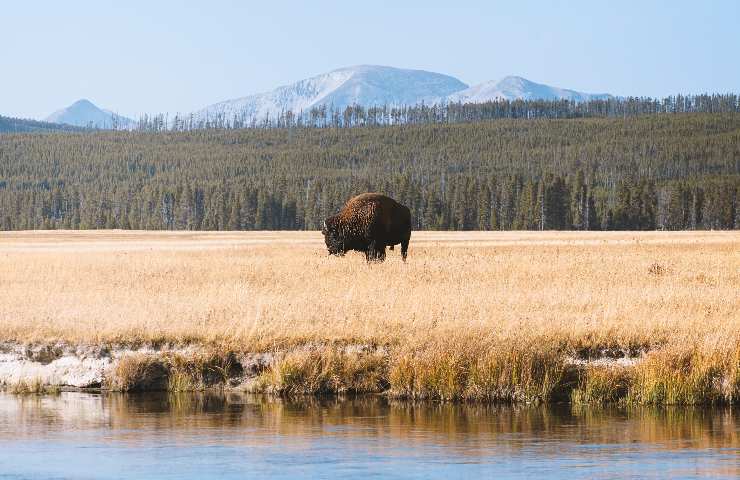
(81,366)
(91,366)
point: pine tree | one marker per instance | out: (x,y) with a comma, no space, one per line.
(579,202)
(235,221)
(484,208)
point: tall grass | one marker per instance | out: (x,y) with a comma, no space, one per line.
(601,384)
(492,316)
(327,370)
(35,386)
(688,375)
(465,369)
(174,372)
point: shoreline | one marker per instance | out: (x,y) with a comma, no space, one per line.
(613,377)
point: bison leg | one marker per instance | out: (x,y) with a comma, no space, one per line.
(370,252)
(405,248)
(375,252)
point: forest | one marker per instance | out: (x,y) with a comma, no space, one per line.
(20,125)
(640,171)
(324,116)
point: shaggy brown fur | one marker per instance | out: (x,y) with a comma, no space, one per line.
(368,223)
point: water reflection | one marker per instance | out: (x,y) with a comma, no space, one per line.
(233,435)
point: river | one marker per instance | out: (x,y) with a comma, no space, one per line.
(224,436)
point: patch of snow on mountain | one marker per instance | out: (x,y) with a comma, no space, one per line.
(513,88)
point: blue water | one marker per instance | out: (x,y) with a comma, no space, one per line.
(201,436)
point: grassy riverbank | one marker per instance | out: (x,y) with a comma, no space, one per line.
(502,316)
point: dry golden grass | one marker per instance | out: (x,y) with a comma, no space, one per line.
(35,386)
(327,370)
(170,371)
(495,313)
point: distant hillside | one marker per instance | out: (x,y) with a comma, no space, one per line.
(677,171)
(18,125)
(83,113)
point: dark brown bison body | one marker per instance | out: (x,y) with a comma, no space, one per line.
(369,223)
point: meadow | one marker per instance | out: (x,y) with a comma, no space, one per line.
(589,317)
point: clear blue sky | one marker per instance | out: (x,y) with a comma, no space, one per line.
(146,56)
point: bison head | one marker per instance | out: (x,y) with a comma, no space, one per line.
(333,237)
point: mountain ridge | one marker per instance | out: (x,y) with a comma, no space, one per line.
(375,85)
(519,88)
(365,85)
(359,84)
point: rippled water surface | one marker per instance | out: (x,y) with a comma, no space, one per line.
(81,436)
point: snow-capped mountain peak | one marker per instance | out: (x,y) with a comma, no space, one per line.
(365,85)
(84,113)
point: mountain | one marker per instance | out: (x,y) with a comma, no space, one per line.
(20,125)
(365,85)
(373,85)
(514,88)
(83,113)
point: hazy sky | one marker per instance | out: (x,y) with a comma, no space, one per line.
(145,56)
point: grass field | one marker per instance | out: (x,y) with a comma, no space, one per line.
(480,315)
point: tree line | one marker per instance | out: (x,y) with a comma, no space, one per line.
(638,172)
(19,125)
(327,116)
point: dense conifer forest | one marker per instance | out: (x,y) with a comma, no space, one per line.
(357,115)
(613,171)
(19,125)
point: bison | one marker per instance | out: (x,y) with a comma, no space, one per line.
(368,223)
